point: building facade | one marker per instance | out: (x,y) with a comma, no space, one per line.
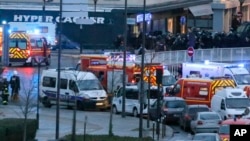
(174,16)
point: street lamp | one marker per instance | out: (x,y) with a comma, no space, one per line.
(39,60)
(44,2)
(95,3)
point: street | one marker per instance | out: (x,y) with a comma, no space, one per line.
(29,77)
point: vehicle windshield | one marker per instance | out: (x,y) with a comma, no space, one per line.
(204,137)
(168,80)
(237,102)
(224,129)
(89,85)
(209,116)
(193,111)
(20,43)
(242,79)
(36,43)
(175,104)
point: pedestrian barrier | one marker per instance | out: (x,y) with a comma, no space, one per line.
(213,54)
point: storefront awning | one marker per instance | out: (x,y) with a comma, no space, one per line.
(201,10)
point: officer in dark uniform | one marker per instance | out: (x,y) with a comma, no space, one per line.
(5,91)
(15,86)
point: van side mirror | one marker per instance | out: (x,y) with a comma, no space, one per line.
(173,91)
(246,112)
(222,107)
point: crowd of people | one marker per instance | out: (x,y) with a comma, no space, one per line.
(199,39)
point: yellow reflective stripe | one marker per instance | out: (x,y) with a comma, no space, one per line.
(222,83)
(17,54)
(19,36)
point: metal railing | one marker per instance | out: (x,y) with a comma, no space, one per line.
(214,54)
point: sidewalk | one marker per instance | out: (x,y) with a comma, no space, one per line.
(127,126)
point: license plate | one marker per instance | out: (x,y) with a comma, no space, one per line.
(175,115)
(99,104)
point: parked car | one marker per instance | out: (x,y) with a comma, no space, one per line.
(206,122)
(224,129)
(66,45)
(188,114)
(206,137)
(152,111)
(171,108)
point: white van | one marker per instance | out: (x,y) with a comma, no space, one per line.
(132,102)
(229,102)
(79,85)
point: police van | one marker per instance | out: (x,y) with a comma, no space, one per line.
(75,86)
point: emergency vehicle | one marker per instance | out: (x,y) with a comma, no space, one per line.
(21,47)
(84,87)
(28,48)
(237,72)
(45,29)
(109,69)
(200,90)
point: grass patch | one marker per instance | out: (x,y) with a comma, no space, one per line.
(105,138)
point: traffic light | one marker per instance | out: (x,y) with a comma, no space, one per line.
(159,74)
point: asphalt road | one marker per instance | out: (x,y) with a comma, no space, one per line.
(29,79)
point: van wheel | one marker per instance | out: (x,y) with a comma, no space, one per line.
(180,124)
(80,105)
(114,110)
(185,128)
(135,112)
(46,102)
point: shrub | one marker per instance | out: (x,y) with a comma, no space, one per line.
(11,129)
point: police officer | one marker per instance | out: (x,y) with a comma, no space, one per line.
(5,91)
(15,86)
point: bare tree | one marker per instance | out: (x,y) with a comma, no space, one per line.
(76,92)
(111,100)
(27,103)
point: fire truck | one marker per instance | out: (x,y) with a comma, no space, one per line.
(200,90)
(23,48)
(109,70)
(237,72)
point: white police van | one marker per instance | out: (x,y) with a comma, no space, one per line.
(132,100)
(75,86)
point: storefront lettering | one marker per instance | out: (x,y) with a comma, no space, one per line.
(36,18)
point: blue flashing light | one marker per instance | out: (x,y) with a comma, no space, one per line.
(241,65)
(36,31)
(206,62)
(4,22)
(9,31)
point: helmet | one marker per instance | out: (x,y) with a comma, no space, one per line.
(15,72)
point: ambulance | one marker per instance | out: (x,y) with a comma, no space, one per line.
(45,29)
(199,90)
(208,69)
(19,47)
